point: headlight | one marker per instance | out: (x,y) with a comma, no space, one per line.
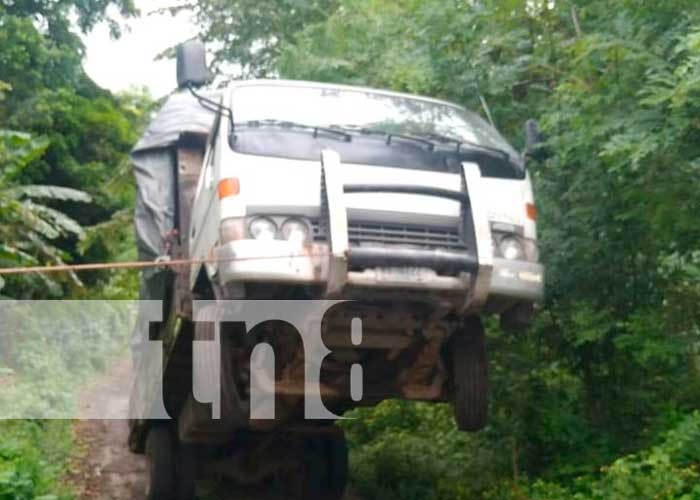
(295,230)
(262,228)
(232,229)
(511,248)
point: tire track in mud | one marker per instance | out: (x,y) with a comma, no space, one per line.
(102,466)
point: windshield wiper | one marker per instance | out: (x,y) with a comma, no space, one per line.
(345,136)
(464,143)
(389,135)
(470,144)
(425,138)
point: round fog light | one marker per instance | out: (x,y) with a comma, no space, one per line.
(263,228)
(511,248)
(231,230)
(295,230)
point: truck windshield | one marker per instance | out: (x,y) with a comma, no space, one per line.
(363,113)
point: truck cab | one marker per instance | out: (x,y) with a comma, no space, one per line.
(353,191)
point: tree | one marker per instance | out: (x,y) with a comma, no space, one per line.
(28,227)
(246,35)
(84,132)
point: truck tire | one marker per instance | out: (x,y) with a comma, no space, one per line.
(205,377)
(160,456)
(470,376)
(325,468)
(335,478)
(186,469)
(518,318)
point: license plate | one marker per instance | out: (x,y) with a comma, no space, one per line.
(404,274)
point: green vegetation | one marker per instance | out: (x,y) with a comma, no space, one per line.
(32,457)
(599,400)
(64,182)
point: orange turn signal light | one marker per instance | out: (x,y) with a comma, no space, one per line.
(531,211)
(229,187)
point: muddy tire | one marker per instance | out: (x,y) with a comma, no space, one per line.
(325,468)
(335,478)
(470,376)
(160,455)
(186,471)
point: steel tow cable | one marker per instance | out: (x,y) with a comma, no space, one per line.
(64,268)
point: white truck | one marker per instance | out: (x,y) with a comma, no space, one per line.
(413,210)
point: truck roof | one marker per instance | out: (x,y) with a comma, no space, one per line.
(303,83)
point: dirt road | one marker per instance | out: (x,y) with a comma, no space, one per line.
(103,468)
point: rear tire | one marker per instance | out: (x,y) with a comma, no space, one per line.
(470,376)
(186,471)
(325,468)
(160,447)
(335,479)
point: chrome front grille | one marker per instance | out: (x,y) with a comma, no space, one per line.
(403,235)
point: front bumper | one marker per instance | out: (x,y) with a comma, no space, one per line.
(517,280)
(272,262)
(287,263)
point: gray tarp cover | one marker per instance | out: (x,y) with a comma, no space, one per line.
(153,159)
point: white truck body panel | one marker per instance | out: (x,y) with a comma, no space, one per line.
(291,187)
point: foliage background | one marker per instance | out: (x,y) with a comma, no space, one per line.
(65,196)
(599,399)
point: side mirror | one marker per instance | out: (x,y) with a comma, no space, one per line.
(192,64)
(534,142)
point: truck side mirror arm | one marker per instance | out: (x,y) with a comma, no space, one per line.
(535,148)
